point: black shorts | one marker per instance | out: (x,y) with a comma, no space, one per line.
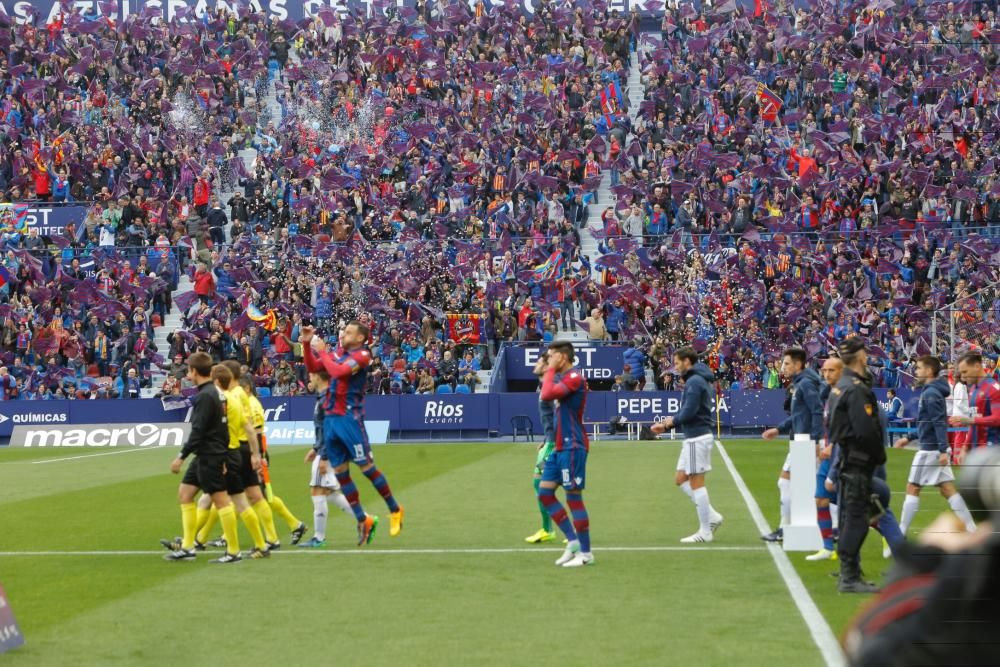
(191,473)
(247,474)
(210,471)
(234,480)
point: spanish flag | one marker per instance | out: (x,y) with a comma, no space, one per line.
(268,320)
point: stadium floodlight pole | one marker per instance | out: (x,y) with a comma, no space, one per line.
(934,328)
(718,413)
(951,332)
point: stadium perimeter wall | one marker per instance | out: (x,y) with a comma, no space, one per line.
(437,416)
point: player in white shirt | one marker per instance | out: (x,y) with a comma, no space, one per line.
(323,484)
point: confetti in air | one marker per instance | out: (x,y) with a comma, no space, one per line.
(185,116)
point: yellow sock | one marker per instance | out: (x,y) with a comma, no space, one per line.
(266,517)
(278,505)
(227,517)
(188,519)
(202,519)
(250,520)
(205,527)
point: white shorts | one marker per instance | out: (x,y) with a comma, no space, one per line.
(327,481)
(926,471)
(787,465)
(696,455)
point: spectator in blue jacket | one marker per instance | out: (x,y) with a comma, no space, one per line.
(635,358)
(805,416)
(615,319)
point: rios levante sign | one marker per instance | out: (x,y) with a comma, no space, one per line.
(117,435)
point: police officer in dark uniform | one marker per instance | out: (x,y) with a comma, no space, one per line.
(856,426)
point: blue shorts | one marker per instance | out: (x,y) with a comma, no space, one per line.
(345,440)
(568,469)
(821,475)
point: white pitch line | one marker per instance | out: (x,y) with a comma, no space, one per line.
(90,456)
(339,552)
(820,630)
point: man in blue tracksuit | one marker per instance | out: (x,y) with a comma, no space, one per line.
(695,419)
(931,464)
(805,416)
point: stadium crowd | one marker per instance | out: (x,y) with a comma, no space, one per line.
(790,176)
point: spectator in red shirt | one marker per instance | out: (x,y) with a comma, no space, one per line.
(282,340)
(204,283)
(804,162)
(202,193)
(523,315)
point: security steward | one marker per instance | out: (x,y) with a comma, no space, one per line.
(856,426)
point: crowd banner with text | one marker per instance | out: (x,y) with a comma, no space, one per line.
(46,11)
(595,361)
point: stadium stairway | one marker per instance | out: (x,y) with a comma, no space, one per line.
(636,95)
(483,384)
(605,197)
(174,320)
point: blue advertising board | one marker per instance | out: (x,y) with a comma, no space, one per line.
(53,220)
(444,412)
(596,362)
(422,414)
(24,413)
(650,406)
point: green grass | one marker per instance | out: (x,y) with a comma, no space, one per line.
(699,607)
(759,463)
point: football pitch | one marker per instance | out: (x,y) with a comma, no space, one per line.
(81,564)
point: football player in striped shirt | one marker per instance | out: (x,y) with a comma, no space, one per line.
(567,465)
(344,435)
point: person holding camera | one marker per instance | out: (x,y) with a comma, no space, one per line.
(856,426)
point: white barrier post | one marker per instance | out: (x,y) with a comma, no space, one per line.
(802,533)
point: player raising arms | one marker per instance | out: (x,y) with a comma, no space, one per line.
(325,486)
(931,464)
(567,465)
(695,418)
(209,440)
(546,410)
(345,439)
